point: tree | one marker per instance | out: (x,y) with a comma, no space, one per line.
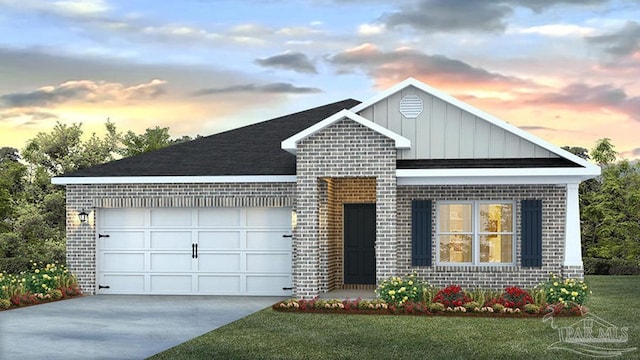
(578,151)
(152,139)
(611,214)
(604,152)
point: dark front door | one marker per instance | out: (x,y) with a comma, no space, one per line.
(359,243)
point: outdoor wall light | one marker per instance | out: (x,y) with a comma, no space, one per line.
(83,216)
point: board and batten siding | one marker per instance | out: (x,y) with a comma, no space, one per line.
(444,131)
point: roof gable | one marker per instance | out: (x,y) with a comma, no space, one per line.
(290,144)
(453,116)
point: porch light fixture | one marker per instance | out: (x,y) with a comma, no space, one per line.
(83,216)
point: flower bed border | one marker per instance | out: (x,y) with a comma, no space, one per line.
(353,309)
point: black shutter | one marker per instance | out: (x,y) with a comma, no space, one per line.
(421,233)
(531,233)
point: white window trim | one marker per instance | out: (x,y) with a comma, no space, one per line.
(475,233)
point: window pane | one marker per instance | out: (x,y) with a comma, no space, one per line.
(455,217)
(455,248)
(496,248)
(496,217)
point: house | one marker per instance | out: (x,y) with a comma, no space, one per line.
(339,196)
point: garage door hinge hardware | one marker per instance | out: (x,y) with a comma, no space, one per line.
(287,236)
(103,287)
(101,236)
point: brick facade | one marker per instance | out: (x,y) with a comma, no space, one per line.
(553,223)
(81,238)
(345,149)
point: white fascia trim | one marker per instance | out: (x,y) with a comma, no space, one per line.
(493,176)
(477,112)
(174,179)
(290,144)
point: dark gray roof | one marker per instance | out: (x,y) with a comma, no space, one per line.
(250,150)
(485,163)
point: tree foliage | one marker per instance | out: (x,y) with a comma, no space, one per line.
(604,152)
(32,210)
(610,213)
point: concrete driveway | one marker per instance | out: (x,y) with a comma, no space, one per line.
(116,326)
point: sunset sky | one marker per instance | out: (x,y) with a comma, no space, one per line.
(565,70)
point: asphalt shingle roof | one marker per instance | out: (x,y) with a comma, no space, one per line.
(249,150)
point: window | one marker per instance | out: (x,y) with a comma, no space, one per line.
(475,232)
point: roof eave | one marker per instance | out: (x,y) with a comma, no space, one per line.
(291,144)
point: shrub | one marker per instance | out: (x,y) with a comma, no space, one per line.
(436,307)
(451,296)
(5,304)
(599,266)
(483,296)
(397,290)
(515,298)
(564,291)
(472,306)
(497,307)
(531,309)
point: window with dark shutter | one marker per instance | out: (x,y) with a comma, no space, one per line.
(531,233)
(421,233)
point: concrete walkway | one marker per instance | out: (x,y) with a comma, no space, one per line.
(116,326)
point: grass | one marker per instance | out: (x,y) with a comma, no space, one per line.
(268,334)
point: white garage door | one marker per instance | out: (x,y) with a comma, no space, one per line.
(222,251)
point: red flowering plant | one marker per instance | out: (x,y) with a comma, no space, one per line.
(514,298)
(451,296)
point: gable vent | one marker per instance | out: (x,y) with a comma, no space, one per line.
(411,106)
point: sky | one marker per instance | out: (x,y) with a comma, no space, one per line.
(564,70)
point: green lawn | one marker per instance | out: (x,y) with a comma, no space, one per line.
(273,335)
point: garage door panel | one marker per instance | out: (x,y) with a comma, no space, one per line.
(219,262)
(170,217)
(268,240)
(171,239)
(222,240)
(171,262)
(260,285)
(239,251)
(216,284)
(269,263)
(122,218)
(118,261)
(171,284)
(268,217)
(220,217)
(121,240)
(123,283)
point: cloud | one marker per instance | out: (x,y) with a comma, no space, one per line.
(271,88)
(371,29)
(625,41)
(584,97)
(632,154)
(540,5)
(556,30)
(82,91)
(28,113)
(392,66)
(535,127)
(465,15)
(451,15)
(295,61)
